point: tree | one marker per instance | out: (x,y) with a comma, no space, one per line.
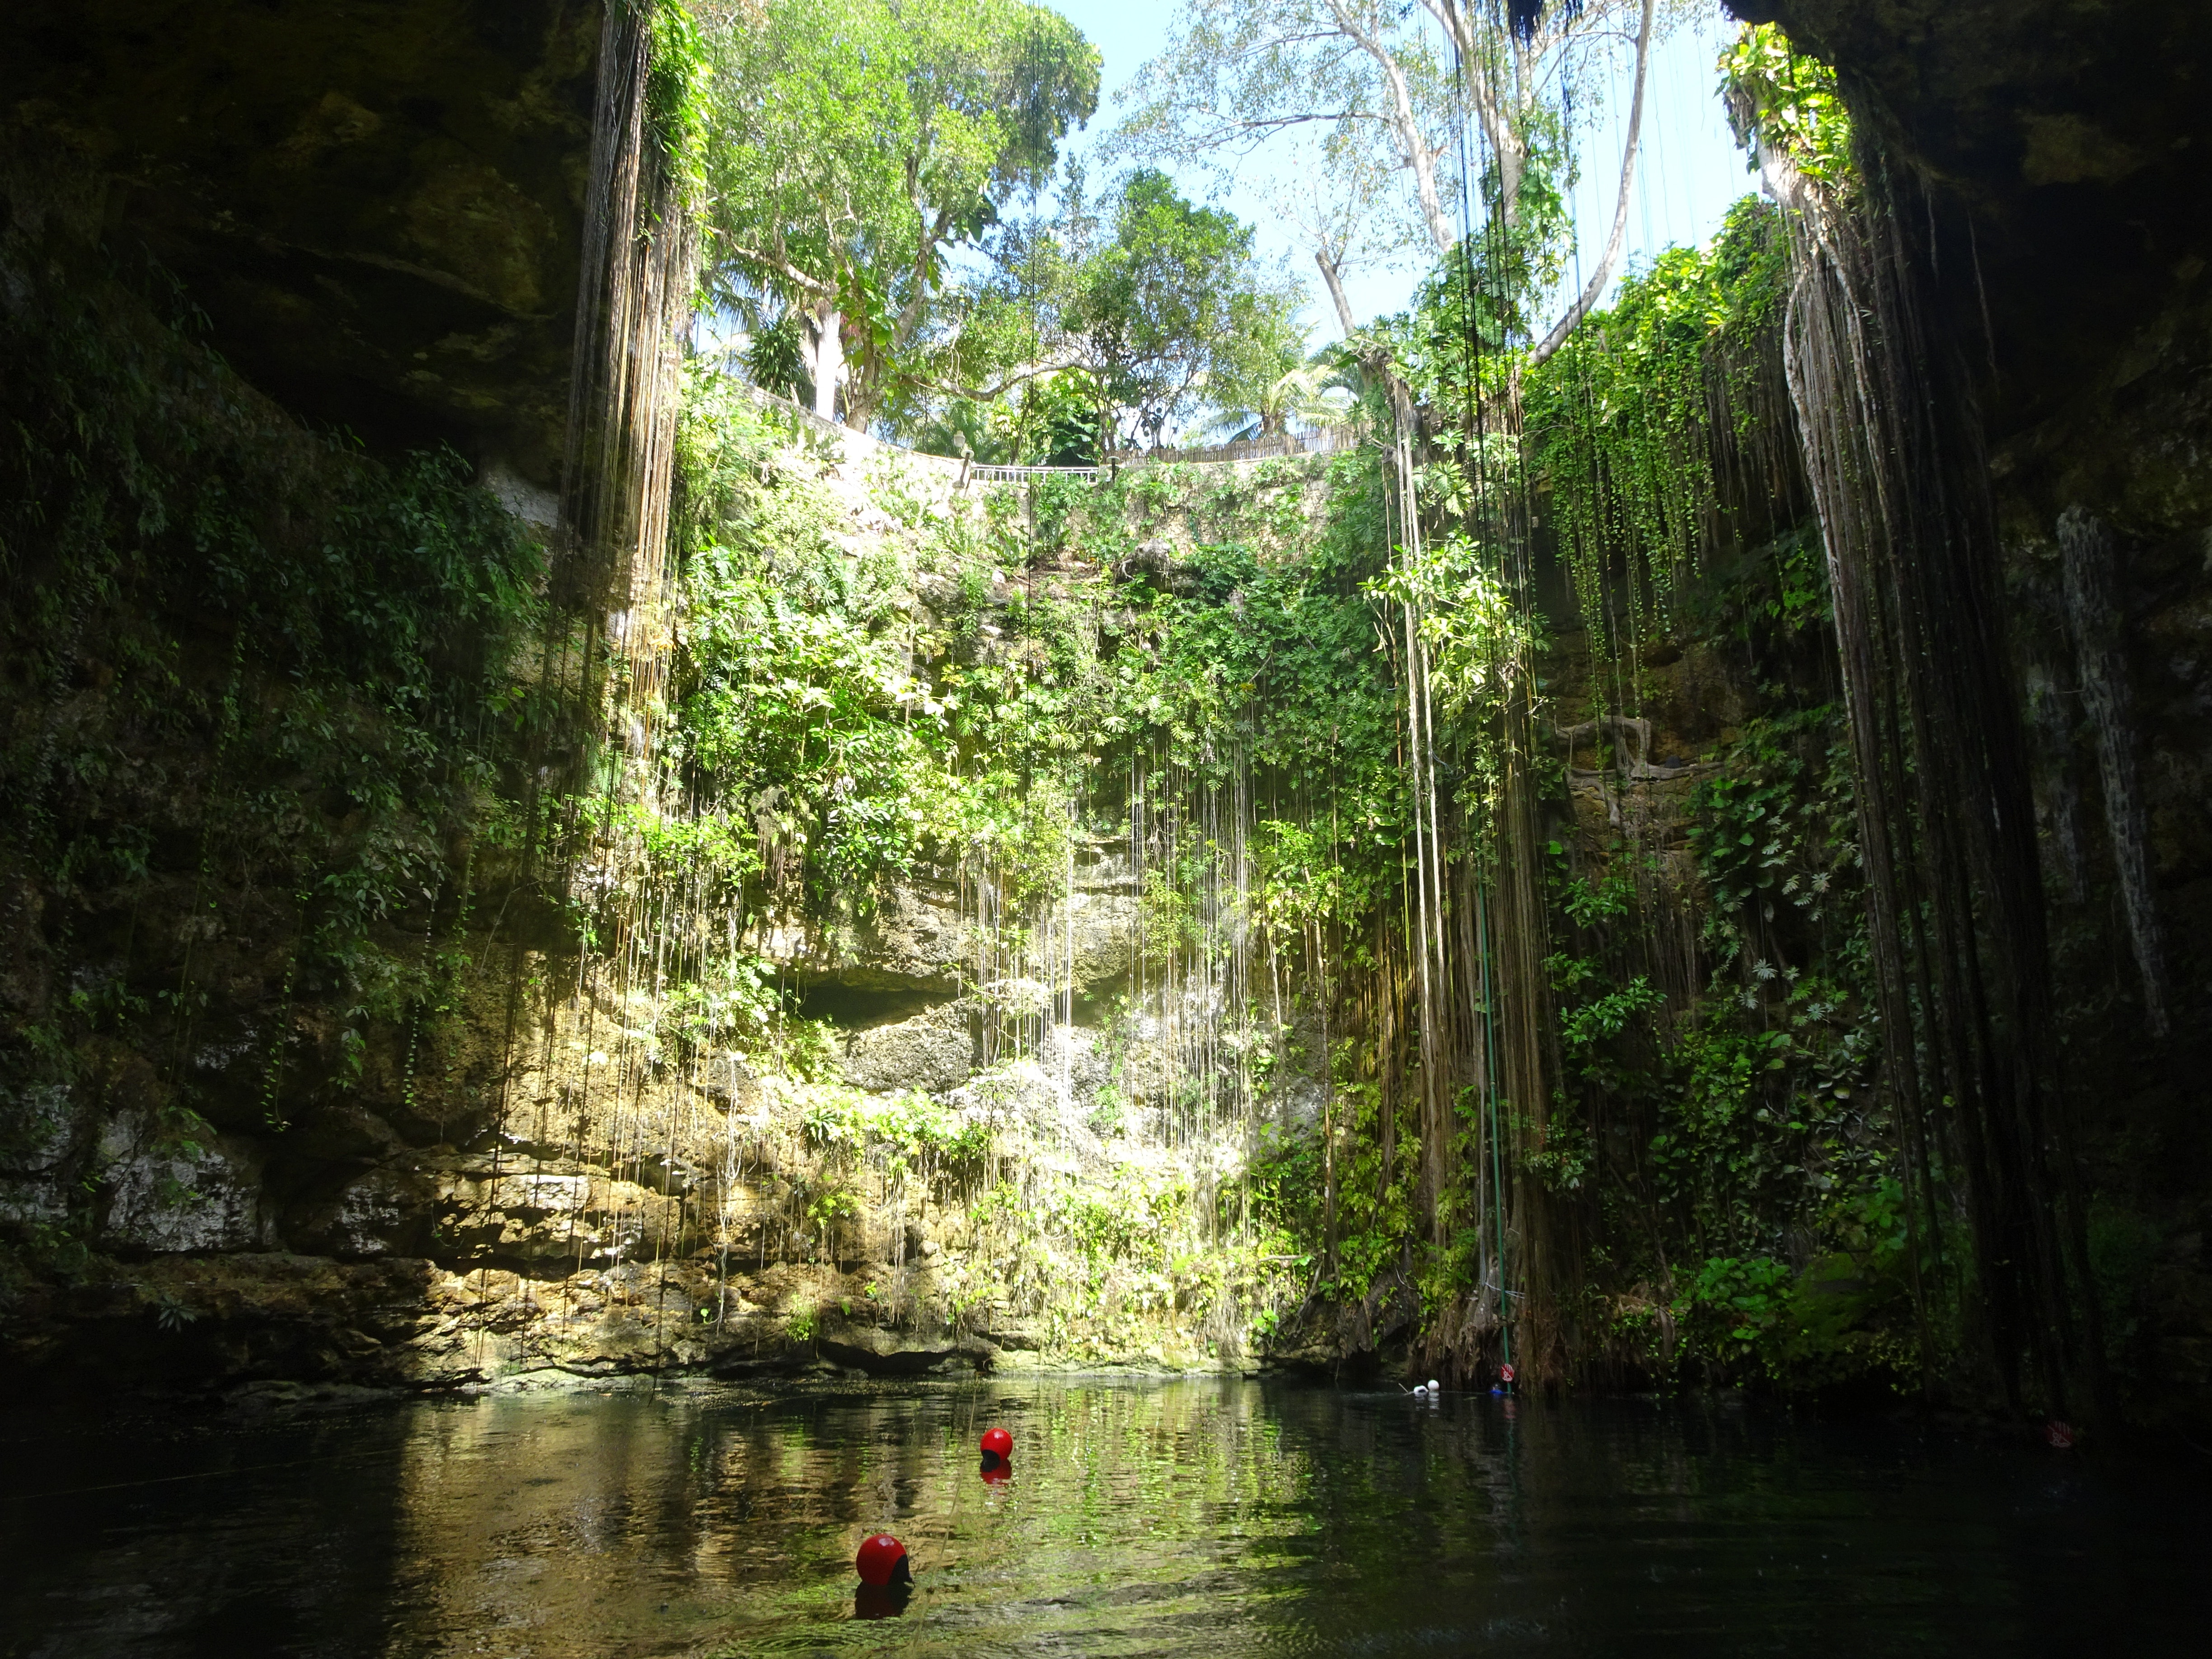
(1505,79)
(857,144)
(1316,392)
(1241,74)
(1136,305)
(1174,308)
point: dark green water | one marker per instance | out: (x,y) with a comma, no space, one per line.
(1185,1518)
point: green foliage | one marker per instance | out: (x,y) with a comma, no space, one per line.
(774,360)
(1584,1025)
(1301,884)
(679,75)
(907,1134)
(1102,1255)
(1771,596)
(1770,1117)
(1800,598)
(1377,1216)
(2126,1248)
(918,1133)
(860,738)
(1775,838)
(1481,297)
(1621,417)
(253,677)
(1192,632)
(1272,659)
(1071,430)
(856,144)
(1568,1157)
(1733,1304)
(826,1207)
(1784,105)
(1473,628)
(1173,306)
(1844,1316)
(797,717)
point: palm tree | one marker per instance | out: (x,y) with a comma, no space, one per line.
(1301,394)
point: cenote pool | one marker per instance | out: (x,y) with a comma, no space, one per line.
(1181,1518)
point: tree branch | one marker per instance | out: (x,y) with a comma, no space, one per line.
(1411,143)
(984,394)
(785,269)
(1334,278)
(1603,274)
(909,317)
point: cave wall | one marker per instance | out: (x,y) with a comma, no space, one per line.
(377,213)
(281,285)
(379,206)
(471,1150)
(2070,138)
(2064,150)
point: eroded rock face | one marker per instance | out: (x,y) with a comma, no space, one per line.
(379,208)
(922,937)
(1024,1097)
(2063,148)
(32,1192)
(382,1213)
(881,1353)
(2072,135)
(933,1052)
(167,1196)
(917,940)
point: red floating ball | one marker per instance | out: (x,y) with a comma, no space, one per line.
(880,1559)
(999,1443)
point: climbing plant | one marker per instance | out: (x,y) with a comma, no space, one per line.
(268,696)
(1623,418)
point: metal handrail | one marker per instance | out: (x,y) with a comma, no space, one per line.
(1327,440)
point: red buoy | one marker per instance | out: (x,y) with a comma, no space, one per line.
(882,1561)
(997,1442)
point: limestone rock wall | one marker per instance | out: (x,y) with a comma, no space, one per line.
(2063,150)
(555,1178)
(378,209)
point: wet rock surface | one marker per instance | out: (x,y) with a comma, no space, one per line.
(933,1051)
(2062,148)
(380,210)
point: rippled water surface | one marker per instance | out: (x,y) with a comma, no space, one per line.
(1183,1518)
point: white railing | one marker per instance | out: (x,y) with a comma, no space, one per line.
(982,474)
(1327,440)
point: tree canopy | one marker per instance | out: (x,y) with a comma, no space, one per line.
(1175,306)
(1371,98)
(856,144)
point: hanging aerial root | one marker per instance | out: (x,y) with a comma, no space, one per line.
(2093,623)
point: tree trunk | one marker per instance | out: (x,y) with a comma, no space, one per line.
(826,361)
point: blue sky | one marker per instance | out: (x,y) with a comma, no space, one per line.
(1689,172)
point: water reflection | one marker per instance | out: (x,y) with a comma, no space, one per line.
(881,1600)
(1182,1518)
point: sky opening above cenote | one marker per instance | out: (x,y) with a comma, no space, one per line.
(1688,173)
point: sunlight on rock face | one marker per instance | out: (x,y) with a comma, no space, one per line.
(1640,822)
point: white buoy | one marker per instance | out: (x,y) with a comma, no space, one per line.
(1435,1387)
